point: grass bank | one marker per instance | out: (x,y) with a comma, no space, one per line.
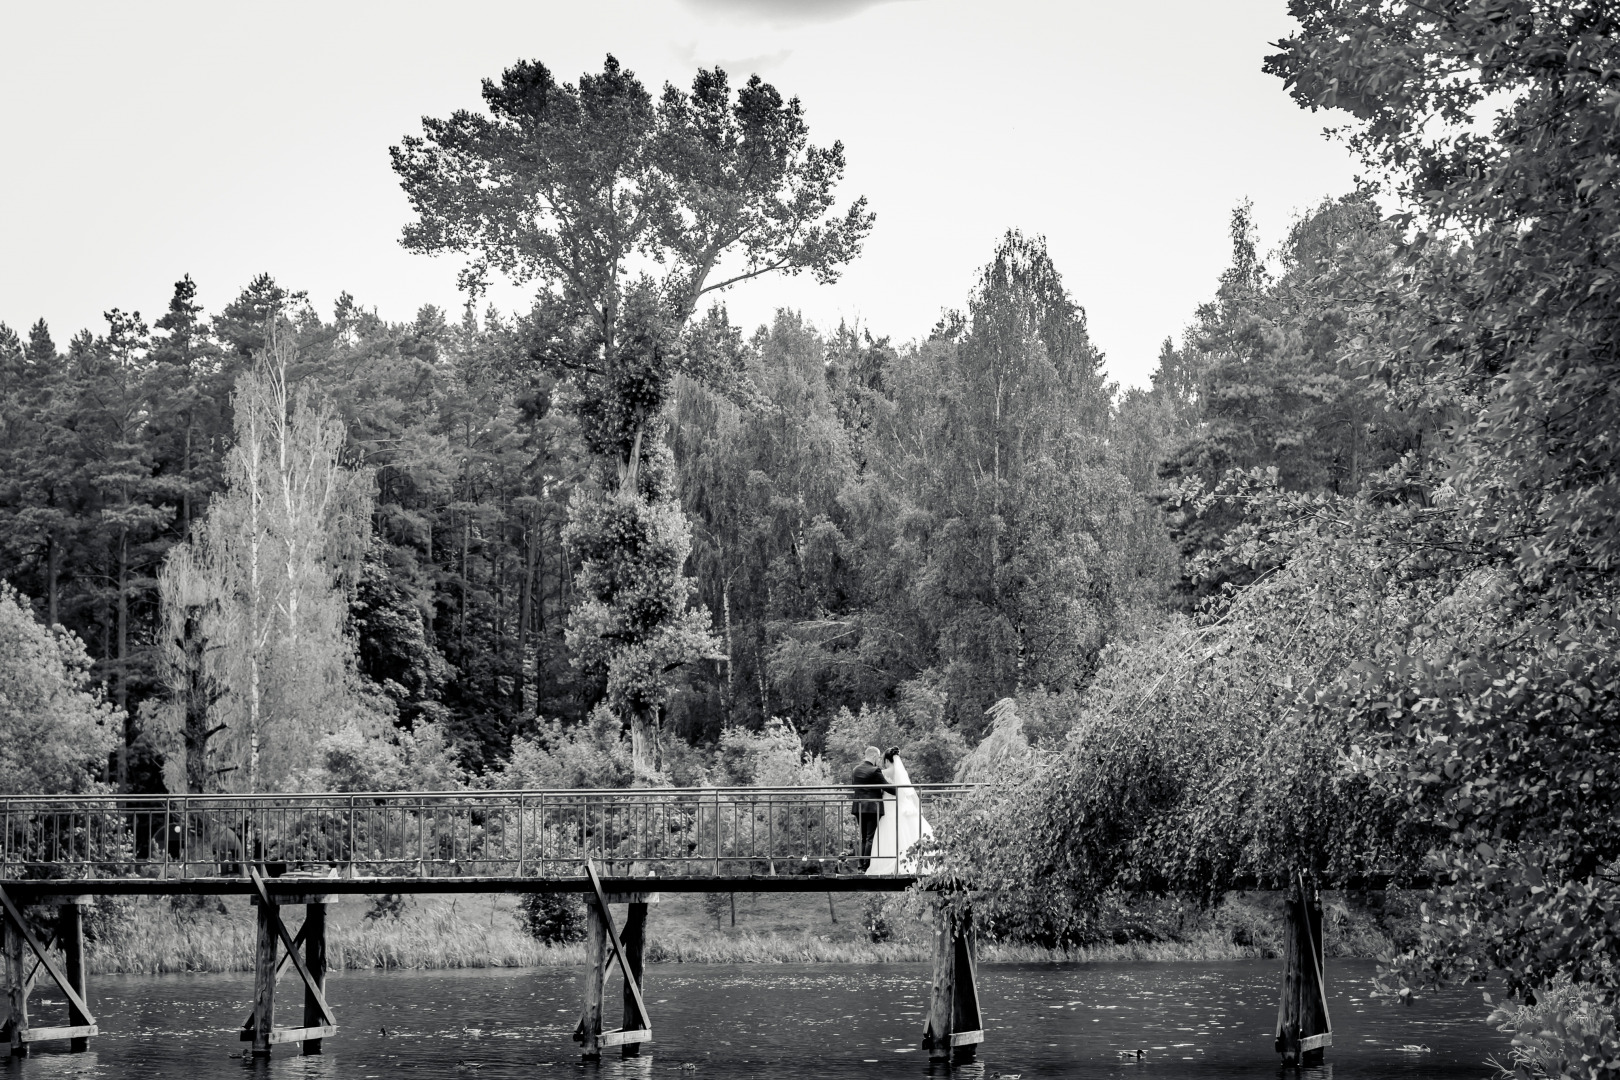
(159,934)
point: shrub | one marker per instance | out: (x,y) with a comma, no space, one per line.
(552,918)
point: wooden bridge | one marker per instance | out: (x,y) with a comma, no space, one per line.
(615,846)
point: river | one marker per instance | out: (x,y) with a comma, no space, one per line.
(780,1021)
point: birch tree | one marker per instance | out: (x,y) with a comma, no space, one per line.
(258,652)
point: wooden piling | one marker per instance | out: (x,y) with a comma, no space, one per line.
(634,940)
(955,1025)
(264,977)
(937,1039)
(314,934)
(17,986)
(70,932)
(966,1022)
(589,1034)
(1303,1028)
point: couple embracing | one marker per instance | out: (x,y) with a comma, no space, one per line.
(889,812)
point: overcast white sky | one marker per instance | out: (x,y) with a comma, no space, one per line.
(143,141)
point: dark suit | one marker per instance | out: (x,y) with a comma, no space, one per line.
(871,786)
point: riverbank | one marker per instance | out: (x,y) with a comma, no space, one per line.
(154,935)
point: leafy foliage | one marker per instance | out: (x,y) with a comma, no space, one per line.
(1496,124)
(565,184)
(55,729)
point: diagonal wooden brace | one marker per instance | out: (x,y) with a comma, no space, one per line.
(298,939)
(618,949)
(44,959)
(292,950)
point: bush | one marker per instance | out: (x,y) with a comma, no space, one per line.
(875,917)
(715,906)
(386,906)
(1563,1030)
(592,754)
(552,918)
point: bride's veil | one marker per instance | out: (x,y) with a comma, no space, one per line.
(901,777)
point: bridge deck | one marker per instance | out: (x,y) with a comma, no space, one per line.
(40,890)
(644,839)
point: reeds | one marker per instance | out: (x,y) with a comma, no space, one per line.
(153,935)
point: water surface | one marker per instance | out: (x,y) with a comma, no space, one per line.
(770,1020)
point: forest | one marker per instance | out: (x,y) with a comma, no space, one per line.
(1334,595)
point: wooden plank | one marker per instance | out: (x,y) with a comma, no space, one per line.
(613,939)
(264,980)
(70,932)
(1288,1018)
(247,1025)
(26,892)
(942,994)
(1313,933)
(17,981)
(45,961)
(71,1031)
(314,935)
(965,1014)
(635,936)
(1316,1042)
(622,1038)
(303,1034)
(589,1032)
(292,951)
(966,1038)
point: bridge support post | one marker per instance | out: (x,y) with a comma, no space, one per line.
(319,1023)
(955,1026)
(635,937)
(17,987)
(70,932)
(1303,1029)
(590,1030)
(315,960)
(264,976)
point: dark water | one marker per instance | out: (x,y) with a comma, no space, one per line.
(1042,1020)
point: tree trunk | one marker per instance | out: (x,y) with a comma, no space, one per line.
(643,743)
(51,557)
(466,542)
(121,698)
(197,704)
(185,491)
(525,614)
(728,704)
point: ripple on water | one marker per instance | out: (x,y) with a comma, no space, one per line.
(1042,1020)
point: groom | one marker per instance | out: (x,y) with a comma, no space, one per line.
(870,787)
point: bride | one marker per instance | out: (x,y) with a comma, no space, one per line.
(902,824)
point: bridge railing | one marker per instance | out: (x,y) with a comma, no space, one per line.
(665,832)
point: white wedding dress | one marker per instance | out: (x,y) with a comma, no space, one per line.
(900,828)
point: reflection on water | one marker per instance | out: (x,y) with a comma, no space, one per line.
(1188,1020)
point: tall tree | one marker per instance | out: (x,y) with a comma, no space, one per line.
(1496,125)
(55,730)
(1018,543)
(257,602)
(568,184)
(763,480)
(1271,378)
(187,395)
